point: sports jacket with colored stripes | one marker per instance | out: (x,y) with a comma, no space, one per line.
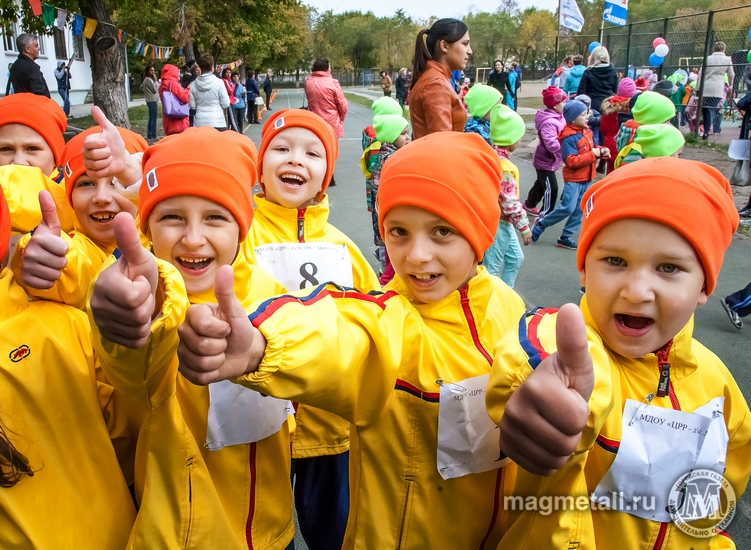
(190,497)
(375,359)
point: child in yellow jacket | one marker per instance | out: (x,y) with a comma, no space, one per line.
(63,436)
(679,423)
(209,460)
(31,146)
(291,238)
(406,367)
(53,265)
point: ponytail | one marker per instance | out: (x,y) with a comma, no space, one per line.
(13,465)
(450,30)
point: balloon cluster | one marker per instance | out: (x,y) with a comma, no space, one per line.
(661,51)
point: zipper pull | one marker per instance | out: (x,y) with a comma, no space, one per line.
(664,366)
(301,225)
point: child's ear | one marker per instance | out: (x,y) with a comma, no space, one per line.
(702,297)
(583,278)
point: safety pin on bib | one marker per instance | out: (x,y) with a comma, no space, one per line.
(647,400)
(444,383)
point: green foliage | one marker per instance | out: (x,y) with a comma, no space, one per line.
(492,35)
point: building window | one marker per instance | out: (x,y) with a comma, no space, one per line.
(9,37)
(78,47)
(42,50)
(61,51)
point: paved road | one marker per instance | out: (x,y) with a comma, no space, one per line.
(548,276)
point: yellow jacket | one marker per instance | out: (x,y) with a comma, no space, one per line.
(375,359)
(64,416)
(238,497)
(316,432)
(21,186)
(690,388)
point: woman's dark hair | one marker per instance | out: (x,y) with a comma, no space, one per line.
(320,64)
(13,465)
(146,69)
(426,44)
(251,73)
(206,63)
(226,70)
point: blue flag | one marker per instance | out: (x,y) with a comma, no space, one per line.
(616,12)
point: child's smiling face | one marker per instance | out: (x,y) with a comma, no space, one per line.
(429,254)
(24,146)
(196,235)
(643,281)
(96,202)
(293,168)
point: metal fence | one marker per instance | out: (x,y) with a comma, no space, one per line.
(690,38)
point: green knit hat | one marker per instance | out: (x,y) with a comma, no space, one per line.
(388,127)
(480,99)
(386,106)
(659,140)
(506,127)
(652,108)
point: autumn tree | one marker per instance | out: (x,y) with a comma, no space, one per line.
(492,36)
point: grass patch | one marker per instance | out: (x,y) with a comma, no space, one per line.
(531,102)
(744,230)
(364,101)
(138,116)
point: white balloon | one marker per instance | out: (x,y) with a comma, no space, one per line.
(662,50)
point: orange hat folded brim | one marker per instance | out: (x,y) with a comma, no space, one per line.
(39,113)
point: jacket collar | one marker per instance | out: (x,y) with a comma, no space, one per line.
(439,67)
(13,299)
(243,288)
(284,221)
(681,357)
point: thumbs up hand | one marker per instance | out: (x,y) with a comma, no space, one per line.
(44,255)
(105,156)
(218,341)
(544,418)
(124,299)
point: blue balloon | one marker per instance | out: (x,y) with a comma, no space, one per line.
(593,45)
(655,60)
(749,35)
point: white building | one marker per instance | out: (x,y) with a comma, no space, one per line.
(61,45)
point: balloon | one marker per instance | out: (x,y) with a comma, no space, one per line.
(749,35)
(656,60)
(659,40)
(662,50)
(592,46)
(749,56)
(684,75)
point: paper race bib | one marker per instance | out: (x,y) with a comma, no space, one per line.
(468,440)
(304,265)
(238,415)
(659,446)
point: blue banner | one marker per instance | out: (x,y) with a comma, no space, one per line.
(616,12)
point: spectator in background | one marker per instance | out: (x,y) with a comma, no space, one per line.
(230,85)
(62,75)
(564,70)
(571,84)
(512,82)
(518,70)
(325,97)
(600,80)
(169,83)
(402,87)
(150,90)
(499,79)
(251,93)
(25,75)
(718,66)
(386,83)
(238,109)
(208,96)
(267,87)
(190,72)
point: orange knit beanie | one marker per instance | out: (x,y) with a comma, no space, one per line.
(220,166)
(72,159)
(39,113)
(678,193)
(300,118)
(416,175)
(4,226)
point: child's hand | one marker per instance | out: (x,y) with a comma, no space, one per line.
(218,341)
(105,156)
(597,151)
(527,238)
(545,416)
(604,153)
(124,299)
(44,255)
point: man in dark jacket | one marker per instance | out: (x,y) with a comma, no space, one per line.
(25,75)
(252,91)
(401,87)
(267,91)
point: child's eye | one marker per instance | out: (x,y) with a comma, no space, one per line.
(214,217)
(616,262)
(314,154)
(443,231)
(85,183)
(398,232)
(668,268)
(6,149)
(170,217)
(33,148)
(281,148)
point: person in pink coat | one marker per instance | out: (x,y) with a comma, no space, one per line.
(325,97)
(171,82)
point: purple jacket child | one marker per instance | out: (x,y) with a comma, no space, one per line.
(548,152)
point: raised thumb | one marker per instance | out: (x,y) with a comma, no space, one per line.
(574,359)
(50,220)
(101,119)
(139,261)
(224,290)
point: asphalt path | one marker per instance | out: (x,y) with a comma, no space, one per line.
(548,276)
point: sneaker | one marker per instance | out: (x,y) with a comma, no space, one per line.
(567,243)
(734,317)
(745,213)
(533,211)
(537,230)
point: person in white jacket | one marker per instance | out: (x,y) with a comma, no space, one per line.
(208,96)
(718,67)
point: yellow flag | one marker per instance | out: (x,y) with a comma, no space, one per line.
(88,30)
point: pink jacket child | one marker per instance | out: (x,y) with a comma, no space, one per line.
(325,98)
(171,82)
(547,155)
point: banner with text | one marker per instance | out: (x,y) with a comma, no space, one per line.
(616,12)
(571,16)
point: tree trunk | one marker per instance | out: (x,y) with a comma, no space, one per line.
(189,52)
(107,67)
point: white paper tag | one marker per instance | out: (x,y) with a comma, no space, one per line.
(468,440)
(304,265)
(239,415)
(658,447)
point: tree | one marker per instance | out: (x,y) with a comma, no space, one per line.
(491,36)
(395,36)
(535,41)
